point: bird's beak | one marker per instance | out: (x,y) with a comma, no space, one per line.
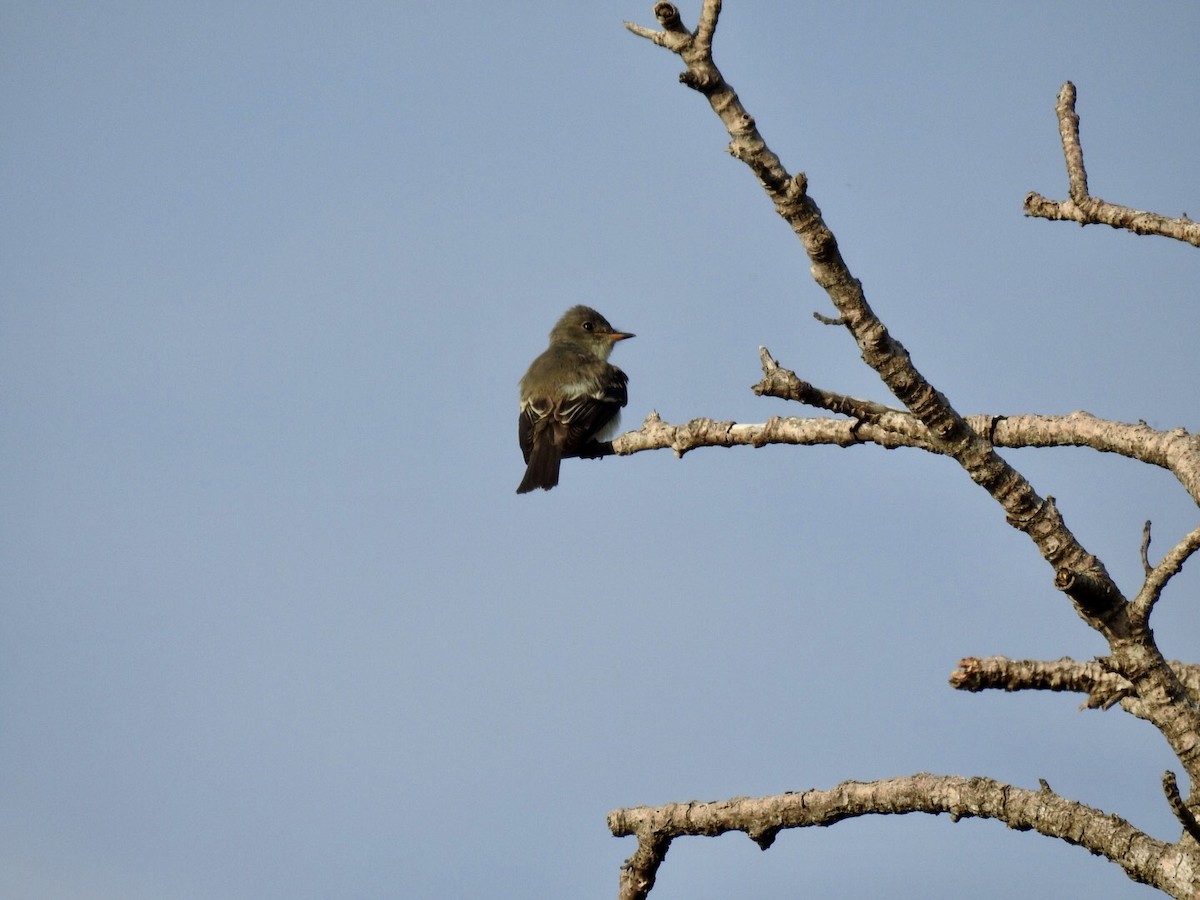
(619,336)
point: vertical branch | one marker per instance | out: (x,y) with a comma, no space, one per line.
(1068,129)
(709,13)
(640,870)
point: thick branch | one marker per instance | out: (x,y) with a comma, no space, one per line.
(1104,687)
(1088,210)
(1165,701)
(1144,859)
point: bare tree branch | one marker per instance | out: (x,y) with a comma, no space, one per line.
(1176,450)
(784,384)
(1068,131)
(1104,687)
(1094,211)
(1146,567)
(1182,813)
(1078,573)
(1158,576)
(655,434)
(1144,859)
(1088,210)
(1026,510)
(828,320)
(1135,674)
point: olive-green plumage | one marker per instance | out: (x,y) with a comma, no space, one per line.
(571,397)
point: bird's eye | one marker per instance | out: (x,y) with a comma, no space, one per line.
(588,326)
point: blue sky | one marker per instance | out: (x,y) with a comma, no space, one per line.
(274,623)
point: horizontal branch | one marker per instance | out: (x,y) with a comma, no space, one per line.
(1094,211)
(1085,209)
(655,434)
(1177,451)
(1104,688)
(1144,859)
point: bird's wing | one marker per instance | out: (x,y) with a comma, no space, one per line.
(577,415)
(585,414)
(538,415)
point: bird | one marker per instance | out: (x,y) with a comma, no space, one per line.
(571,396)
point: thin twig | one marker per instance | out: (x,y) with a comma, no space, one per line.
(1157,578)
(1146,567)
(1182,813)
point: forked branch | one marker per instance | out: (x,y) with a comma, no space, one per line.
(1085,209)
(1177,451)
(1158,576)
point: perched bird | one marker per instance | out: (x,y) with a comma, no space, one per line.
(571,397)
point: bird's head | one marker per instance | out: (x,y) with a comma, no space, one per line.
(584,327)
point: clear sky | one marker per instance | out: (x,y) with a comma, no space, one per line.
(274,624)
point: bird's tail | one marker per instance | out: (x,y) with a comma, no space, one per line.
(544,460)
